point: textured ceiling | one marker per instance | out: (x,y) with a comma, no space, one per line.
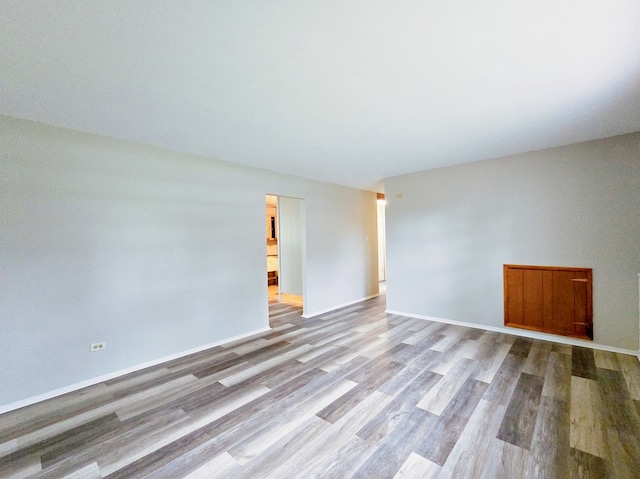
(348,92)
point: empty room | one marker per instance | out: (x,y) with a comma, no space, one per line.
(295,239)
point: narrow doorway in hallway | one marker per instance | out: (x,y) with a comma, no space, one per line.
(285,227)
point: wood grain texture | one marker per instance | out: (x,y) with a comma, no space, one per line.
(630,368)
(437,399)
(328,446)
(549,451)
(394,449)
(586,417)
(400,407)
(520,417)
(621,423)
(351,393)
(521,347)
(468,457)
(505,380)
(586,466)
(533,298)
(606,360)
(557,382)
(417,467)
(537,359)
(583,363)
(552,299)
(447,428)
(513,462)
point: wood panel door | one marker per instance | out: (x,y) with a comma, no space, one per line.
(550,299)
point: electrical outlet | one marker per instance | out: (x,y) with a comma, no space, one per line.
(98,346)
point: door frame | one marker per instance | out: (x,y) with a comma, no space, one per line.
(303,236)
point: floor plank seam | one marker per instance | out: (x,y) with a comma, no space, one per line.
(355,392)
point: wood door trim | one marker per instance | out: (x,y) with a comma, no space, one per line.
(588,323)
(548,268)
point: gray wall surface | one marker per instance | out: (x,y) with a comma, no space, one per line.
(452,230)
(154,252)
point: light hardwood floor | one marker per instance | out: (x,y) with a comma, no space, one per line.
(352,393)
(290,299)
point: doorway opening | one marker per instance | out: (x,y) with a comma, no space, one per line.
(285,228)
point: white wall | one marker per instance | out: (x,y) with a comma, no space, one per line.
(382,244)
(291,242)
(152,251)
(452,230)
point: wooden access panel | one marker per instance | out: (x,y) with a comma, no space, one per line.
(550,299)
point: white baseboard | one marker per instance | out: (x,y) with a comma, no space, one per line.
(333,308)
(524,333)
(106,377)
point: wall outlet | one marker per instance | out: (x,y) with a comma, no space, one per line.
(98,346)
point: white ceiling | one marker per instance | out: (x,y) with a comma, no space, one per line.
(344,91)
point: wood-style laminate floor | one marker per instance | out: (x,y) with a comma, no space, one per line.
(353,393)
